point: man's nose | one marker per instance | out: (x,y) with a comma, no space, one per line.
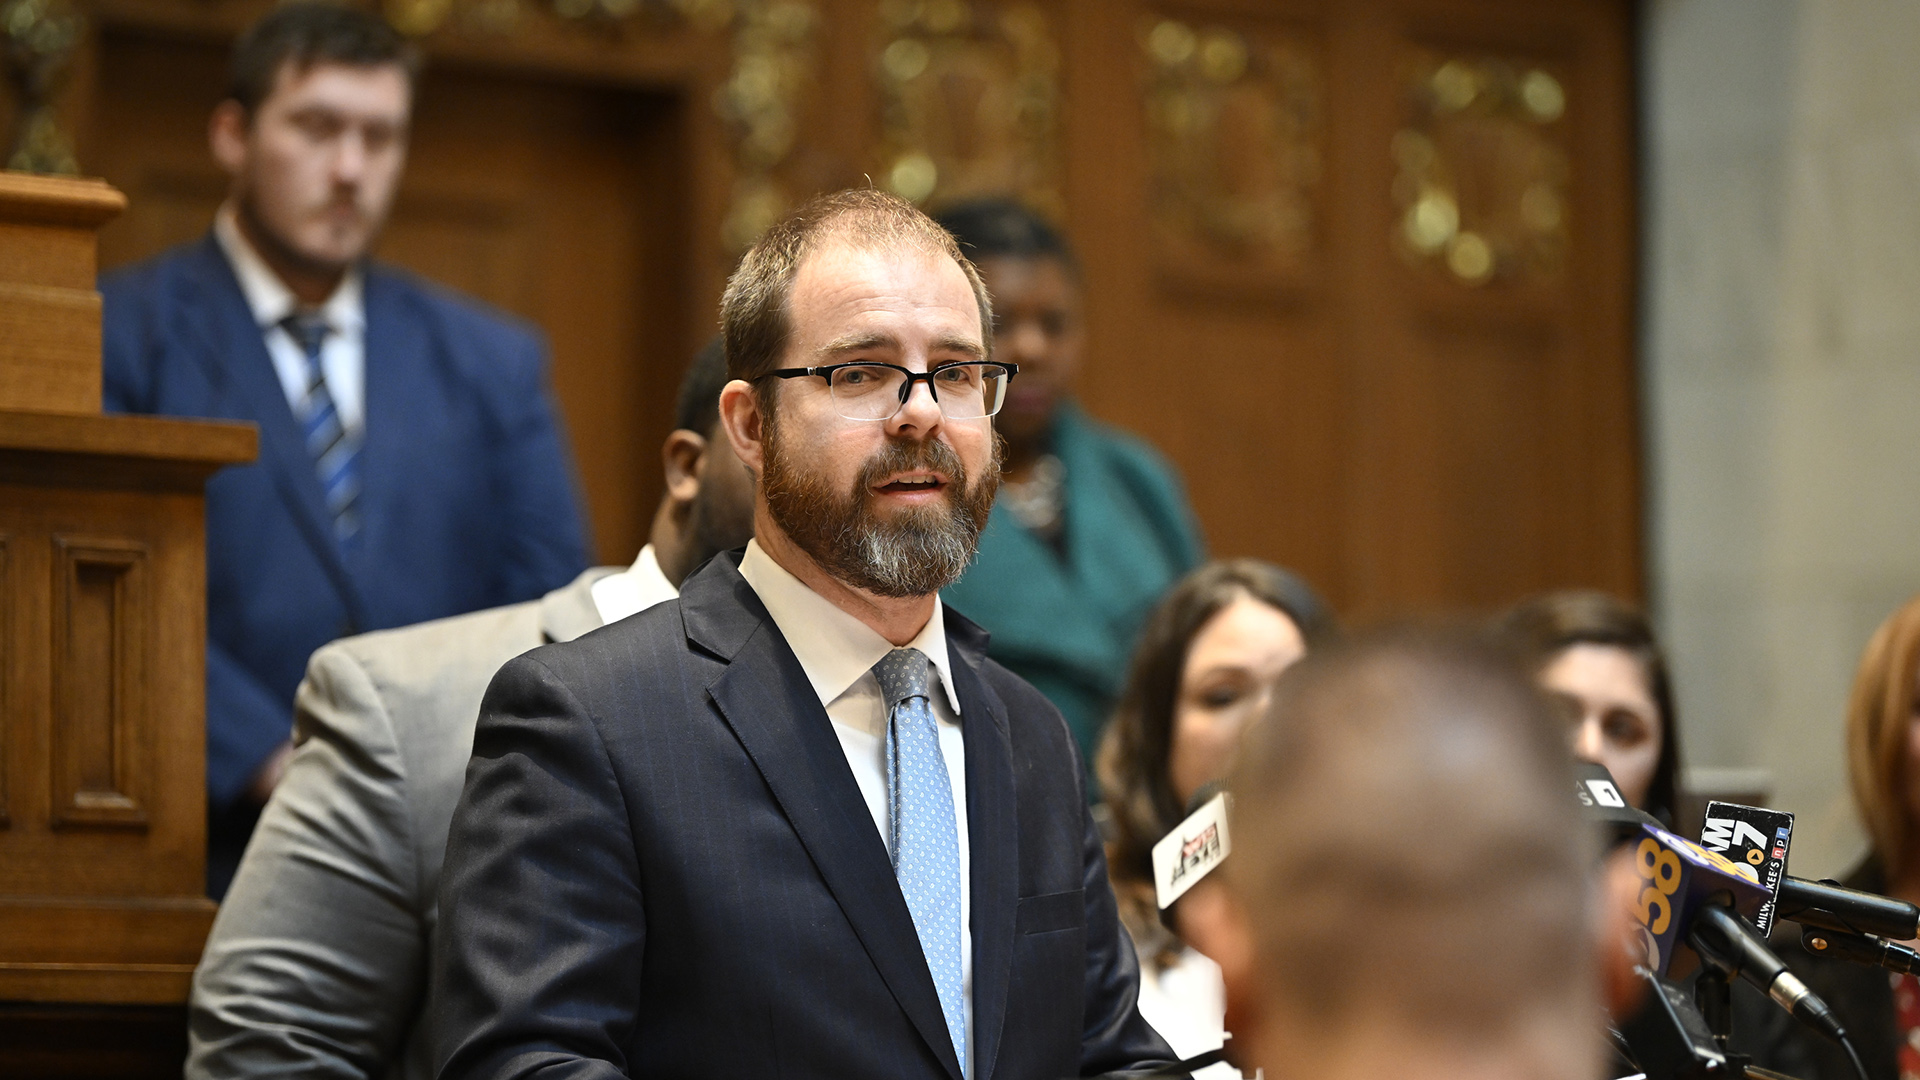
(920,412)
(350,158)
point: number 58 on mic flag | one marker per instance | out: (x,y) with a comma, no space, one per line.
(1677,877)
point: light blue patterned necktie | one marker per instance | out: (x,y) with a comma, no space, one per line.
(335,452)
(926,846)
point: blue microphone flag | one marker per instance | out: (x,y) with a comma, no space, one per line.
(1678,877)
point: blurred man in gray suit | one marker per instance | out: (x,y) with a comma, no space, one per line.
(318,960)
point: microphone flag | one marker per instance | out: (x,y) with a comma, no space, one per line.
(1755,840)
(1678,878)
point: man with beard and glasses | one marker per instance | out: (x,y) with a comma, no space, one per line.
(796,823)
(411,466)
(317,962)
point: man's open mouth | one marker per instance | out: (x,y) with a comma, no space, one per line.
(911,483)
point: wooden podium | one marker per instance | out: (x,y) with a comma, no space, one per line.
(102,648)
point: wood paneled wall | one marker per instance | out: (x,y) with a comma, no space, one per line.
(1363,269)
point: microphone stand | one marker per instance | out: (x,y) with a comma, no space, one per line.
(1678,1038)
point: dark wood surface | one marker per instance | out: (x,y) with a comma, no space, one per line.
(92,1042)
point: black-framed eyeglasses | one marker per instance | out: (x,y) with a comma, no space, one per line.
(870,390)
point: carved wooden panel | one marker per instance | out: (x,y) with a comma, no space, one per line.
(102,622)
(1482,167)
(1235,115)
(969,102)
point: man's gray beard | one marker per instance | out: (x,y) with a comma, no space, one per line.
(920,552)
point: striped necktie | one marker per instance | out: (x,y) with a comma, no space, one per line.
(336,453)
(926,846)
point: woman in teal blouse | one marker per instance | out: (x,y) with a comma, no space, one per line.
(1091,525)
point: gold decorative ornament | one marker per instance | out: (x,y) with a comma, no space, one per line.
(773,66)
(969,102)
(1235,129)
(1481,169)
(37,39)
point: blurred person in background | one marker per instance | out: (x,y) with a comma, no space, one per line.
(1411,891)
(411,464)
(1880,1009)
(1598,658)
(1092,525)
(1208,658)
(317,962)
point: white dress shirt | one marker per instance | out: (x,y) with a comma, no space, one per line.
(343,356)
(1187,1004)
(632,590)
(837,652)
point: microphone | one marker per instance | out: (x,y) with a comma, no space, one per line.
(1728,943)
(1831,906)
(1759,837)
(1681,879)
(1861,949)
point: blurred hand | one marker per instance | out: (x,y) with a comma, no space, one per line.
(267,777)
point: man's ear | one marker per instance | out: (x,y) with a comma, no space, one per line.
(680,459)
(227,136)
(745,426)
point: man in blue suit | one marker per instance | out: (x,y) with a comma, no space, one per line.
(411,465)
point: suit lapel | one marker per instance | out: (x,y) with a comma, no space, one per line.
(235,352)
(992,838)
(766,699)
(398,358)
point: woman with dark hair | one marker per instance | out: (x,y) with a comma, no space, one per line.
(1205,666)
(1598,657)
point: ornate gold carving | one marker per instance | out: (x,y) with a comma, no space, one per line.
(773,64)
(37,39)
(969,102)
(1482,169)
(1235,123)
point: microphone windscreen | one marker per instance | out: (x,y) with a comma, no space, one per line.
(1678,878)
(1601,803)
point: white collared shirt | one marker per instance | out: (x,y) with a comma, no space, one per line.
(343,356)
(838,651)
(632,590)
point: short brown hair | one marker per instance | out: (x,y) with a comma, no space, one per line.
(1405,843)
(309,32)
(1877,720)
(755,320)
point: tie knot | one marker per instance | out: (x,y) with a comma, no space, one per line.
(903,673)
(308,329)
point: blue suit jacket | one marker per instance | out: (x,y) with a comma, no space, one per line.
(468,498)
(661,865)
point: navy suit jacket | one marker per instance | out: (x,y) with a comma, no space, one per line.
(661,865)
(467,491)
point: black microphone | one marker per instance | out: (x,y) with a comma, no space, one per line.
(1861,949)
(1727,942)
(1831,906)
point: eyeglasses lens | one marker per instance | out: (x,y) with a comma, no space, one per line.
(965,391)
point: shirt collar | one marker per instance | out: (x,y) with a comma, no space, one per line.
(834,648)
(634,589)
(268,297)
